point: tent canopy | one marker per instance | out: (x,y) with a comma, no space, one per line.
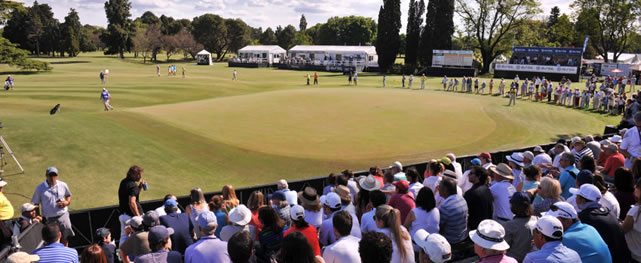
(371,50)
(262,48)
(203,52)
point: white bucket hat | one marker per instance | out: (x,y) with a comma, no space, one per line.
(369,183)
(490,235)
(240,215)
(516,158)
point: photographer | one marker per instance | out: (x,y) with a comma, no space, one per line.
(128,197)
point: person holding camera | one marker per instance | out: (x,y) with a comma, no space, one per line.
(53,197)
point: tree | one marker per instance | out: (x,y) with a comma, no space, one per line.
(90,40)
(286,37)
(610,21)
(13,56)
(15,29)
(561,33)
(348,30)
(554,16)
(120,30)
(169,44)
(388,39)
(413,34)
(268,37)
(149,18)
(302,25)
(210,31)
(169,26)
(72,33)
(238,34)
(7,8)
(187,43)
(491,21)
(302,39)
(438,30)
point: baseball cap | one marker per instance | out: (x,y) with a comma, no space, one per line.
(151,218)
(616,139)
(159,233)
(297,212)
(21,257)
(331,200)
(562,210)
(587,191)
(528,155)
(102,232)
(490,234)
(52,170)
(278,195)
(485,155)
(584,177)
(206,219)
(434,245)
(476,161)
(27,207)
(2,182)
(538,149)
(134,222)
(550,227)
(171,202)
(446,161)
(402,185)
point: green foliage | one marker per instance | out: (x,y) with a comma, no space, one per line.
(286,37)
(239,34)
(302,39)
(210,31)
(348,30)
(268,37)
(438,30)
(72,33)
(12,55)
(555,12)
(120,31)
(6,8)
(388,38)
(149,18)
(562,33)
(414,22)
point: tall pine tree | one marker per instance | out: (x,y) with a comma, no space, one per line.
(119,35)
(414,22)
(302,26)
(388,40)
(438,30)
(71,33)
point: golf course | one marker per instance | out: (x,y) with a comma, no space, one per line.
(206,130)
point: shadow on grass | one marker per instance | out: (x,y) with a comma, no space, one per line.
(69,62)
(25,72)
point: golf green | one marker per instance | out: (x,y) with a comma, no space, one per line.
(206,130)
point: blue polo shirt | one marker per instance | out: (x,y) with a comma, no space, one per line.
(552,252)
(56,253)
(568,181)
(586,241)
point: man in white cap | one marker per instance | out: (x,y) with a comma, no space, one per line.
(502,190)
(106,98)
(53,197)
(489,243)
(208,248)
(239,218)
(434,247)
(594,214)
(548,234)
(332,205)
(397,171)
(541,157)
(27,218)
(582,238)
(515,161)
(291,196)
(631,143)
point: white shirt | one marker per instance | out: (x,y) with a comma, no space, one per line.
(633,238)
(368,224)
(415,188)
(458,170)
(161,211)
(291,196)
(429,221)
(541,158)
(502,192)
(407,244)
(464,182)
(344,250)
(608,200)
(314,218)
(631,143)
(353,188)
(327,236)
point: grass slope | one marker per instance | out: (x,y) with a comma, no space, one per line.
(206,130)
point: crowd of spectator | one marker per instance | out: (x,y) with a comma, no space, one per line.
(577,202)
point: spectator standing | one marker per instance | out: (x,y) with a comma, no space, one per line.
(208,248)
(624,190)
(197,206)
(548,234)
(136,243)
(454,209)
(458,169)
(425,216)
(580,237)
(346,198)
(6,209)
(567,179)
(129,197)
(632,225)
(311,203)
(106,244)
(273,232)
(239,218)
(182,226)
(330,184)
(532,178)
(290,195)
(53,196)
(397,171)
(331,205)
(518,231)
(515,161)
(241,247)
(607,198)
(403,200)
(376,199)
(375,247)
(541,158)
(52,250)
(93,254)
(433,247)
(489,243)
(216,205)
(479,198)
(229,198)
(345,249)
(387,220)
(631,144)
(256,201)
(280,205)
(464,182)
(415,184)
(594,214)
(160,245)
(502,190)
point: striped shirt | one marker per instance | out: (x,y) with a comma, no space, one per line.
(56,253)
(585,152)
(454,209)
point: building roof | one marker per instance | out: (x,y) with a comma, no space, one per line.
(262,48)
(624,58)
(305,48)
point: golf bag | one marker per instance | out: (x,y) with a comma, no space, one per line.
(55,109)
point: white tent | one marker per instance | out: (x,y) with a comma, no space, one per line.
(261,54)
(323,55)
(203,58)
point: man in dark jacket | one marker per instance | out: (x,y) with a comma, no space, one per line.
(599,217)
(479,198)
(183,228)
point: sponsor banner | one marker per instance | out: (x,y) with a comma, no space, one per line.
(537,68)
(608,69)
(456,58)
(548,50)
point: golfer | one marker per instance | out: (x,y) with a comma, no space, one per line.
(234,75)
(158,70)
(512,94)
(106,97)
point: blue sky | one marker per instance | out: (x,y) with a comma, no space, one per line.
(263,13)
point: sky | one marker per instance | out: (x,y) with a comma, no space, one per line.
(256,13)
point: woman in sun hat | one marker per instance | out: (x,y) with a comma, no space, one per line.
(309,200)
(366,184)
(489,242)
(515,161)
(239,218)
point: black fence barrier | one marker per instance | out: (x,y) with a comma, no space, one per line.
(85,222)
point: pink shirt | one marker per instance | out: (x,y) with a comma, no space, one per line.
(404,203)
(497,259)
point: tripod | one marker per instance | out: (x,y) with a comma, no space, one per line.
(3,159)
